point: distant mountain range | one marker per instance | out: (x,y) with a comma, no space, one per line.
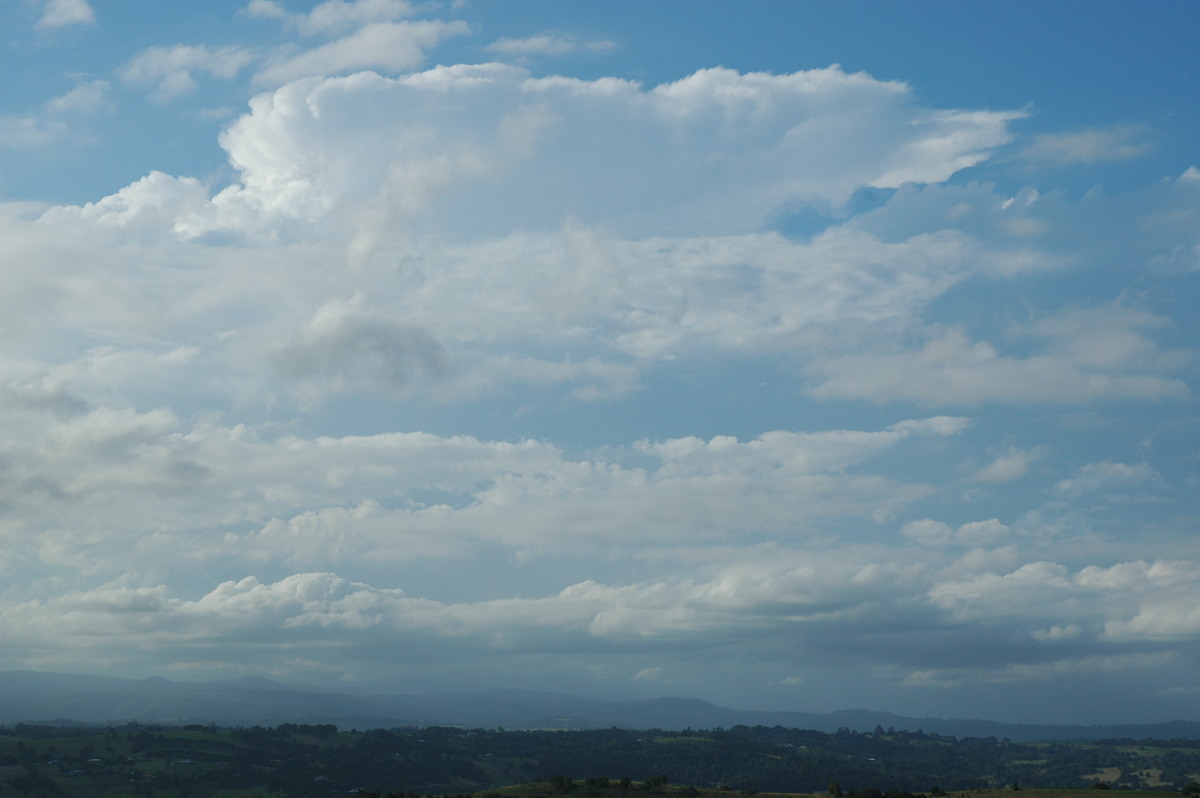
(35,697)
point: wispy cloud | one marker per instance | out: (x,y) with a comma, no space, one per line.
(387,46)
(333,17)
(1096,355)
(1011,464)
(60,13)
(171,71)
(1091,146)
(548,44)
(57,121)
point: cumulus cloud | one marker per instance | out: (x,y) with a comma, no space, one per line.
(385,164)
(294,165)
(152,204)
(1102,602)
(834,604)
(1160,618)
(719,151)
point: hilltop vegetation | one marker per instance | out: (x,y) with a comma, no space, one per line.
(39,696)
(302,760)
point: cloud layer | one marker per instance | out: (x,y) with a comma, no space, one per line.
(489,375)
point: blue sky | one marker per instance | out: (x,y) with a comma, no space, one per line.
(788,355)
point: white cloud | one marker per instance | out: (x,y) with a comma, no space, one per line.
(1057,633)
(265,9)
(928,532)
(152,204)
(86,97)
(962,140)
(1129,601)
(1105,477)
(344,349)
(531,496)
(594,379)
(171,70)
(600,307)
(1173,616)
(114,490)
(597,310)
(818,452)
(210,398)
(980,533)
(386,46)
(1090,355)
(364,172)
(29,131)
(1013,463)
(332,17)
(1160,599)
(57,121)
(1073,669)
(547,44)
(824,602)
(60,13)
(717,152)
(1092,146)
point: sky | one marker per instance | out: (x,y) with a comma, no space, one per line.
(788,355)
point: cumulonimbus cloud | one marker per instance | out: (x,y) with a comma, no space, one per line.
(717,151)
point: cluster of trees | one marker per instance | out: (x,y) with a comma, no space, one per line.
(299,759)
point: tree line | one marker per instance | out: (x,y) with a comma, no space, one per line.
(302,759)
